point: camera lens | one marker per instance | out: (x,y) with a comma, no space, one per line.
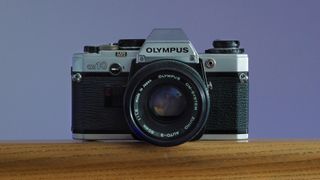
(166,103)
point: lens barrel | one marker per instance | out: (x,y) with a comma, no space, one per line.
(166,103)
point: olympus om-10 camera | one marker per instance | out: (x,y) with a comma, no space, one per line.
(160,90)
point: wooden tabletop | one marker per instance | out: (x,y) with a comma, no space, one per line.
(281,159)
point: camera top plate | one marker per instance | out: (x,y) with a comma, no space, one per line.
(167,44)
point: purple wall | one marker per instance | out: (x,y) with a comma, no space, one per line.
(37,39)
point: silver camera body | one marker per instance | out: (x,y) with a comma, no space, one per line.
(224,65)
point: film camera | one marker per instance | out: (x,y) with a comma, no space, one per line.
(160,90)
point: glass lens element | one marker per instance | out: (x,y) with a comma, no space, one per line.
(167,101)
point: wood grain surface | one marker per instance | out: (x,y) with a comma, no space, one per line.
(295,159)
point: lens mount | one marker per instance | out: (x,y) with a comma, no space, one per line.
(160,121)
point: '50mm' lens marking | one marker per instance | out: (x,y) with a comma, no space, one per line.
(169,134)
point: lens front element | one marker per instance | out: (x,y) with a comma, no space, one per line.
(167,101)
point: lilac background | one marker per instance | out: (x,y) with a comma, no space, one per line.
(37,39)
